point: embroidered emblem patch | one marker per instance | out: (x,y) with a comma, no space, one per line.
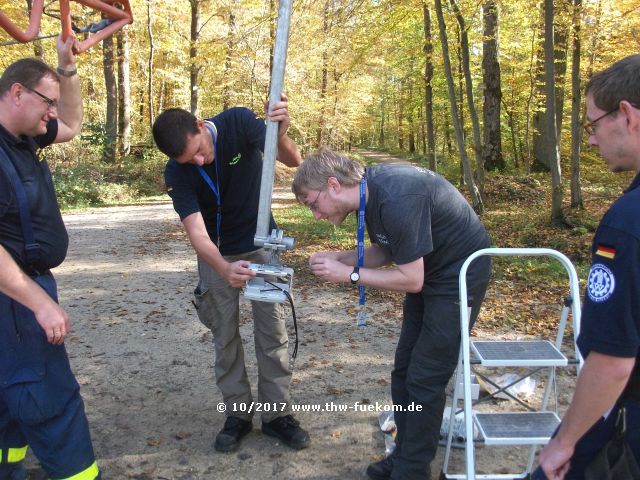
(601,283)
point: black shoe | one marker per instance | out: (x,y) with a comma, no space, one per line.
(381,470)
(288,431)
(229,437)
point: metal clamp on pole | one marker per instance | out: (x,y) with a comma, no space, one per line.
(272,282)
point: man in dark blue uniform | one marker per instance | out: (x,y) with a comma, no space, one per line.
(40,403)
(421,224)
(610,332)
(213,177)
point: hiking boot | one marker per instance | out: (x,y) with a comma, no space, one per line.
(287,430)
(229,437)
(381,470)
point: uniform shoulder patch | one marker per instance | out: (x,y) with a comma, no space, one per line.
(601,283)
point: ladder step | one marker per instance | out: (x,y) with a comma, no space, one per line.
(517,428)
(523,353)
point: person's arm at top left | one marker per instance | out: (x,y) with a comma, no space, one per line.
(70,102)
(288,152)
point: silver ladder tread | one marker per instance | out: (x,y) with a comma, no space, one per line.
(521,353)
(516,428)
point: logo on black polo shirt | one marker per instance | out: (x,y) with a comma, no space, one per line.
(601,283)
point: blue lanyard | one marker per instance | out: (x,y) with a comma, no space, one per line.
(216,187)
(361,317)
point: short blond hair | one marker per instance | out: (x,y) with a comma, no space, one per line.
(317,167)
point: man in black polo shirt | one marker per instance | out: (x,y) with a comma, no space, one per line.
(610,326)
(421,224)
(40,404)
(213,177)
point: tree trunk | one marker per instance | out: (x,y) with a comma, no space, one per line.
(38,51)
(561,36)
(400,112)
(124,93)
(325,77)
(540,158)
(111,117)
(576,101)
(428,89)
(492,141)
(466,166)
(473,114)
(194,68)
(150,65)
(551,142)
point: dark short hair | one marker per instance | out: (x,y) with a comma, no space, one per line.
(171,130)
(621,81)
(27,72)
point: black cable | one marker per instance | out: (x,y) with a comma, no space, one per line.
(293,314)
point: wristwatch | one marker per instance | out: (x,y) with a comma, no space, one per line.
(355,275)
(66,73)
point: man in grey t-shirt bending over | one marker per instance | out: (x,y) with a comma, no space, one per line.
(419,222)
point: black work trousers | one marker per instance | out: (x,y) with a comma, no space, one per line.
(426,357)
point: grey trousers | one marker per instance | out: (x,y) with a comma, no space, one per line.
(218,307)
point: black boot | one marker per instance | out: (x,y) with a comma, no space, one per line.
(233,431)
(381,470)
(287,429)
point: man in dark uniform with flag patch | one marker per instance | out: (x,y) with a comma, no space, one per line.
(610,333)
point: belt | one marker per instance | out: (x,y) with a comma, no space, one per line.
(33,273)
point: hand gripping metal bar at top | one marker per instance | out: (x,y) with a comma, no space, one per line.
(119,17)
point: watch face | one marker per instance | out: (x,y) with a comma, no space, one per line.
(355,276)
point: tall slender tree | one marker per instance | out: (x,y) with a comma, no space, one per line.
(576,101)
(476,198)
(551,139)
(111,117)
(468,83)
(124,93)
(492,140)
(428,88)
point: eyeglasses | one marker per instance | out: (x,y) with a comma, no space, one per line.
(590,127)
(51,104)
(314,205)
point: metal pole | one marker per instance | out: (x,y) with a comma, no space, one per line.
(271,137)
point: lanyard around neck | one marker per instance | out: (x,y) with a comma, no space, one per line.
(361,318)
(214,187)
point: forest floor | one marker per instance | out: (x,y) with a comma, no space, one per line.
(145,363)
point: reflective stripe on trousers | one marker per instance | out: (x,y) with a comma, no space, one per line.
(14,455)
(90,473)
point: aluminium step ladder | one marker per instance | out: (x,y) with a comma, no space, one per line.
(533,427)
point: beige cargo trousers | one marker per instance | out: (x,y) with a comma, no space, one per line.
(218,308)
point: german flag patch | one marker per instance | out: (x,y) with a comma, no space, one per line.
(606,251)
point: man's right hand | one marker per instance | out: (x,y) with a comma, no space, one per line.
(54,321)
(237,273)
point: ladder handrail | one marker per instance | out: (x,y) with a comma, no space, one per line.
(120,17)
(574,288)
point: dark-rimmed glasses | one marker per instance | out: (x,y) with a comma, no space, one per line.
(589,127)
(51,104)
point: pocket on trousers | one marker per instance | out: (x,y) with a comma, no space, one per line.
(203,301)
(36,399)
